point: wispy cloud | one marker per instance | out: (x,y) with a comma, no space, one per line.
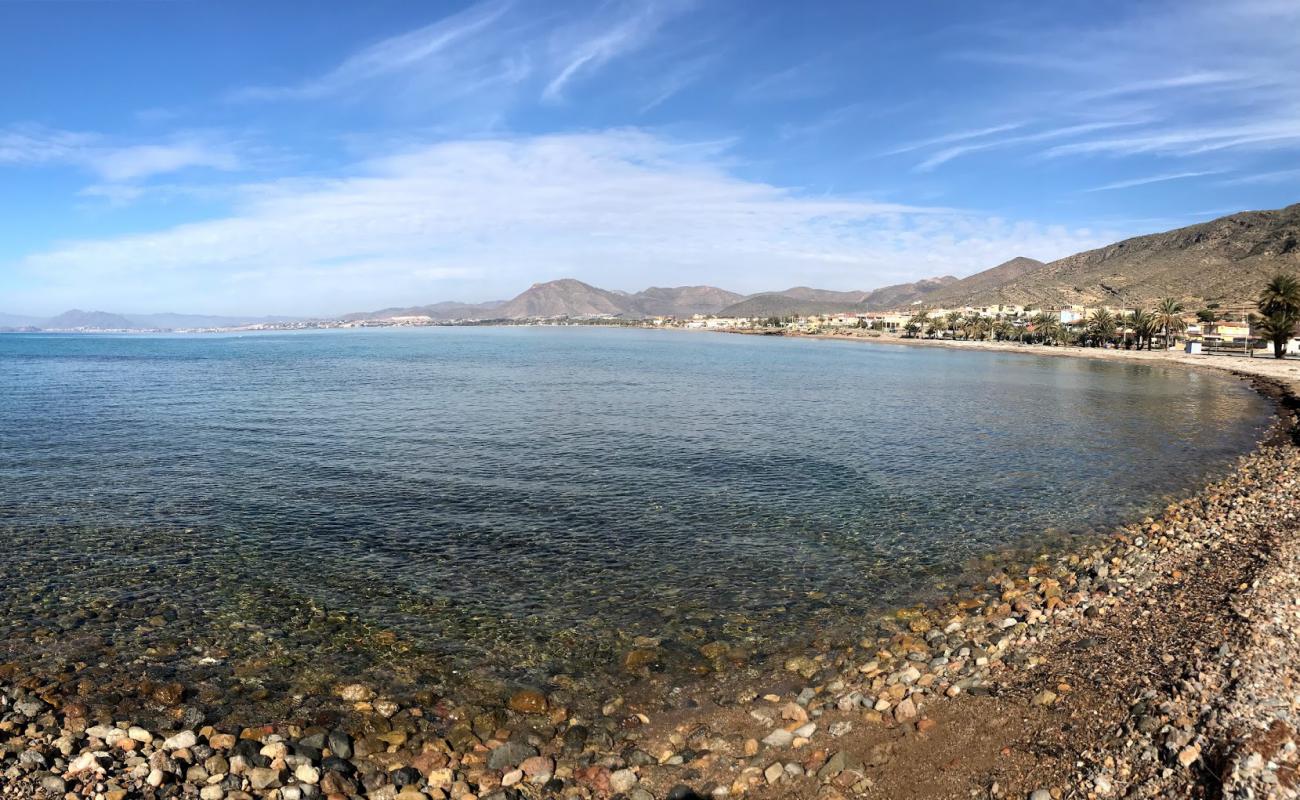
(950,153)
(444,46)
(579,51)
(1189,140)
(495,46)
(1272,176)
(487,217)
(115,161)
(949,138)
(1174,176)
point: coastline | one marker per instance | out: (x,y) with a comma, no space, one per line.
(930,703)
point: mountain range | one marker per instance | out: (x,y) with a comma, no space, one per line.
(77,320)
(1223,261)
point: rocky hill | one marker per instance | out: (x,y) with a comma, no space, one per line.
(568,298)
(442,312)
(1224,261)
(792,302)
(683,301)
(76,319)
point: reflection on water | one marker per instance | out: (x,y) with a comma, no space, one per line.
(418,508)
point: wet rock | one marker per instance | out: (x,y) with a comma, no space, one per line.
(509,755)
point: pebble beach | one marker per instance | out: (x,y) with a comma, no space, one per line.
(1158,663)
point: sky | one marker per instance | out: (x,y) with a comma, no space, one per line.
(305,158)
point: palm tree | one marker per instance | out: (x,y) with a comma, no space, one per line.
(1101,327)
(974,327)
(1047,327)
(1169,317)
(1280,305)
(953,318)
(1144,326)
(917,323)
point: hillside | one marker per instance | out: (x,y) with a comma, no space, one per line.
(98,320)
(902,295)
(683,301)
(567,298)
(442,312)
(1224,260)
(791,302)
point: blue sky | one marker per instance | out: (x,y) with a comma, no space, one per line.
(307,158)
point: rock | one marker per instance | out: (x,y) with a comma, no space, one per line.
(509,755)
(355,693)
(212,792)
(340,744)
(54,784)
(639,659)
(306,773)
(1189,755)
(263,778)
(1045,698)
(778,738)
(621,781)
(538,767)
(905,711)
(1040,794)
(528,701)
(180,741)
(774,772)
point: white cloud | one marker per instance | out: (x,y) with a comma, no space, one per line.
(110,160)
(950,153)
(488,53)
(1191,78)
(483,218)
(1175,176)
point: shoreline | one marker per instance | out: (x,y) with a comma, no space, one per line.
(844,722)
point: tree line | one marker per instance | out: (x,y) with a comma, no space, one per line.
(1278,306)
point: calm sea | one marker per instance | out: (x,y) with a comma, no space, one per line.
(269,513)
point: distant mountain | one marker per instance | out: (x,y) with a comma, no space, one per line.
(175,321)
(902,295)
(800,300)
(1225,260)
(684,301)
(76,319)
(18,321)
(568,298)
(441,312)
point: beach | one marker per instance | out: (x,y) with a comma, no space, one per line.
(1156,663)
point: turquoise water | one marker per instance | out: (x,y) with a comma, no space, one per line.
(255,514)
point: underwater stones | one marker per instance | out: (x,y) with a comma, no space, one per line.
(355,693)
(528,701)
(641,658)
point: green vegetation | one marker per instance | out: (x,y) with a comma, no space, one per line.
(1279,305)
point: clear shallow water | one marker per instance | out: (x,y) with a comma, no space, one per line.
(262,513)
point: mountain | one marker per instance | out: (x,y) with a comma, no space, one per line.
(169,321)
(902,295)
(684,301)
(18,321)
(1224,261)
(98,320)
(568,298)
(800,300)
(446,311)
